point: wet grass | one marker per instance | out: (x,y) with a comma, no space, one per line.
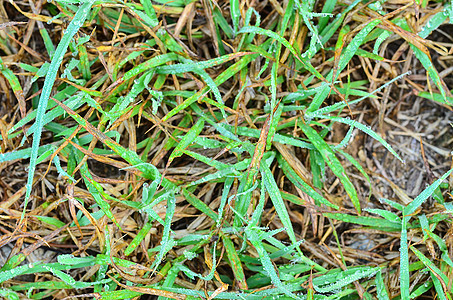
(190,150)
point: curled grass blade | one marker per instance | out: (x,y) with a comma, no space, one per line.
(367,130)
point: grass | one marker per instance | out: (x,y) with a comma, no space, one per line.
(185,150)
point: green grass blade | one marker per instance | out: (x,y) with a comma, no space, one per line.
(223,201)
(347,279)
(9,294)
(328,7)
(189,66)
(167,241)
(256,216)
(367,130)
(432,72)
(388,215)
(422,289)
(333,163)
(300,183)
(404,261)
(187,140)
(150,12)
(235,14)
(381,291)
(274,193)
(280,208)
(15,85)
(358,166)
(234,261)
(76,23)
(424,195)
(254,236)
(431,266)
(200,205)
(438,285)
(138,238)
(50,220)
(23,154)
(367,221)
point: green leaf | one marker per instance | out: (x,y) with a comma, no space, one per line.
(52,221)
(367,221)
(234,261)
(167,241)
(425,194)
(138,238)
(344,280)
(255,237)
(333,163)
(72,29)
(367,130)
(404,261)
(187,140)
(301,184)
(381,290)
(429,264)
(200,205)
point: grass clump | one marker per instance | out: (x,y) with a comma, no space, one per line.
(229,149)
